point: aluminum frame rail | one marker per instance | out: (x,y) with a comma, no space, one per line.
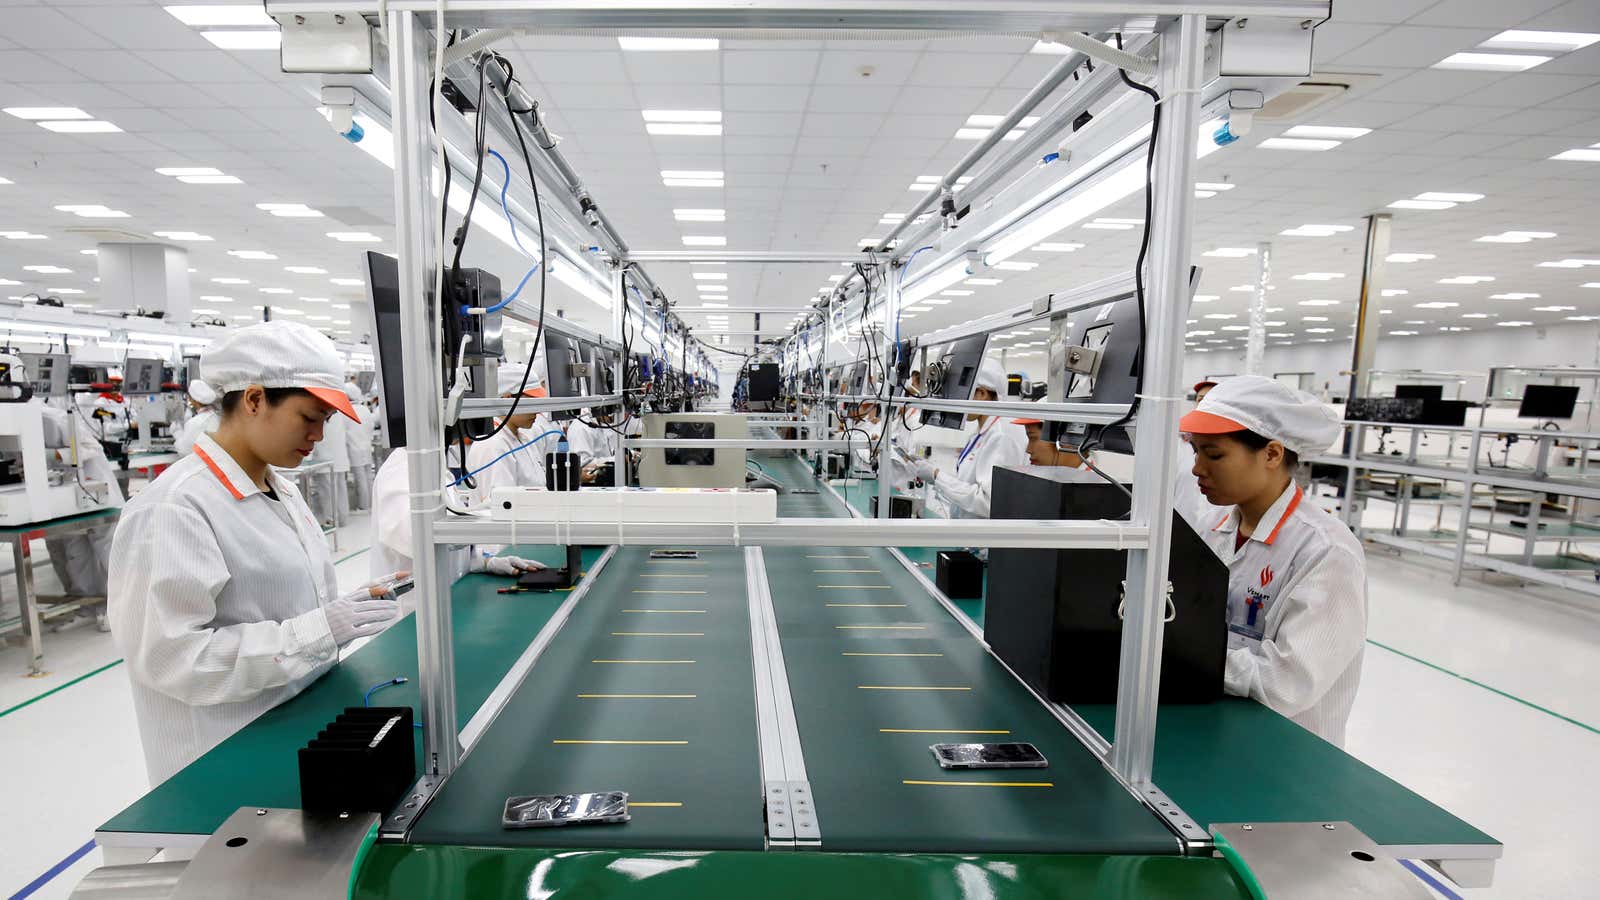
(792,820)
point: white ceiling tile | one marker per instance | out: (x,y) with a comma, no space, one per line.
(96,98)
(1367,113)
(840,146)
(1413,46)
(753,123)
(756,146)
(857,66)
(765,98)
(673,68)
(593,67)
(137,28)
(599,96)
(1578,15)
(854,98)
(1434,86)
(736,166)
(1532,121)
(43,28)
(961,70)
(1484,13)
(198,65)
(111,66)
(1578,62)
(256,95)
(23,66)
(769,67)
(1338,37)
(679,96)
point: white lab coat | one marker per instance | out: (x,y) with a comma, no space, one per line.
(391,524)
(203,422)
(967,486)
(82,561)
(521,468)
(863,436)
(592,444)
(216,601)
(1297,606)
(332,449)
(358,446)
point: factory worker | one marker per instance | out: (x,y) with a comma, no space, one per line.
(202,400)
(595,443)
(333,505)
(391,527)
(1044,452)
(1297,577)
(514,456)
(997,441)
(358,449)
(866,434)
(1201,388)
(81,560)
(223,597)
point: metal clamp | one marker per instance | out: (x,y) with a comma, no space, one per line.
(1122,603)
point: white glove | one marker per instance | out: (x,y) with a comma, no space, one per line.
(510,565)
(360,613)
(925,470)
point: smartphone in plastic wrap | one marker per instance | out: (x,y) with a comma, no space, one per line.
(554,810)
(988,756)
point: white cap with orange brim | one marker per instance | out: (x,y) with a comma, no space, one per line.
(278,355)
(1295,419)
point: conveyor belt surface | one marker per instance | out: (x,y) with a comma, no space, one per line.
(647,689)
(879,670)
(258,766)
(409,872)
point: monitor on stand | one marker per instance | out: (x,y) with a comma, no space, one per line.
(1548,402)
(1419,392)
(955,377)
(383,296)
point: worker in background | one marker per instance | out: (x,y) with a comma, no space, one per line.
(391,527)
(358,447)
(223,598)
(81,561)
(1201,388)
(203,418)
(515,455)
(1297,577)
(1044,452)
(866,434)
(332,503)
(996,442)
(595,443)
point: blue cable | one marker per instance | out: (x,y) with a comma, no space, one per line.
(491,462)
(505,185)
(366,699)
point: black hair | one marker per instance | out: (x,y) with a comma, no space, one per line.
(275,397)
(1257,442)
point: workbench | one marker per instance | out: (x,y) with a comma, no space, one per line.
(647,688)
(21,538)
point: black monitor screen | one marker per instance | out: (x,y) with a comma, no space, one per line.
(1548,401)
(141,376)
(691,431)
(957,377)
(383,290)
(1419,392)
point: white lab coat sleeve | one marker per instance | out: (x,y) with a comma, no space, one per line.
(1323,628)
(973,496)
(581,440)
(163,608)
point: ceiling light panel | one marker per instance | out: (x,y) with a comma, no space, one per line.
(244,40)
(92,211)
(667,44)
(1449,196)
(1301,144)
(355,237)
(1491,62)
(202,15)
(700,215)
(290,210)
(252,254)
(39,113)
(80,126)
(1408,257)
(1316,230)
(704,240)
(183,236)
(1333,132)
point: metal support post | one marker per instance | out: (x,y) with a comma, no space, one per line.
(1354,437)
(619,306)
(1465,516)
(1155,459)
(1255,352)
(418,228)
(891,328)
(1369,313)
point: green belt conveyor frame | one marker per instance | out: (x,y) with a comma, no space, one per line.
(1084,837)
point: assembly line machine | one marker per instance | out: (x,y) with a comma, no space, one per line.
(768,703)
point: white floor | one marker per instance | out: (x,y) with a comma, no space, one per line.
(1507,764)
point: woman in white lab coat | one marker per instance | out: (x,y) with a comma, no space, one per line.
(518,465)
(223,597)
(998,441)
(358,447)
(203,419)
(1297,577)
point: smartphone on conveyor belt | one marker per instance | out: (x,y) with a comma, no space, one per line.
(988,756)
(555,810)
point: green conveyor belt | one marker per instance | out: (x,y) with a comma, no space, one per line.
(694,749)
(879,671)
(410,872)
(258,766)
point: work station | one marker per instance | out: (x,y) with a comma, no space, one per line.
(538,526)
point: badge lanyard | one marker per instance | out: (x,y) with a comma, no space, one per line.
(973,444)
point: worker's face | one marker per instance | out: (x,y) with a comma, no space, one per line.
(1231,473)
(282,435)
(522,421)
(1202,392)
(982,394)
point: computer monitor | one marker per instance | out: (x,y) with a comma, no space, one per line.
(383,296)
(764,383)
(605,370)
(47,372)
(141,376)
(567,368)
(1548,401)
(955,376)
(1107,368)
(1419,391)
(82,378)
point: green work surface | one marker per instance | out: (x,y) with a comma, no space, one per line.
(833,604)
(7,531)
(410,872)
(258,765)
(1238,761)
(695,748)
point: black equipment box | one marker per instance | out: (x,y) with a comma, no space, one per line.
(764,383)
(362,762)
(1407,411)
(899,507)
(1054,615)
(959,575)
(563,471)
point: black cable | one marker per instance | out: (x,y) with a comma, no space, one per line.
(1089,444)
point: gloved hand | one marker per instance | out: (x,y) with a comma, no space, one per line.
(510,566)
(361,613)
(925,469)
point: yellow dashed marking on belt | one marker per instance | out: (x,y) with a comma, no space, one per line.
(880,687)
(664,610)
(837,557)
(629,743)
(670,575)
(658,634)
(941,731)
(870,605)
(848,653)
(633,804)
(1005,784)
(638,696)
(845,572)
(668,592)
(880,627)
(853,587)
(642,662)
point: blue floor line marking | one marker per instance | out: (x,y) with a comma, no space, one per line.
(1429,880)
(34,885)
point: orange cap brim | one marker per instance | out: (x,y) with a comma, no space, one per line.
(1197,422)
(1200,384)
(335,398)
(1027,421)
(537,393)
